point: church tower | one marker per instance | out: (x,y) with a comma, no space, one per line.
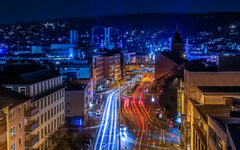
(177,45)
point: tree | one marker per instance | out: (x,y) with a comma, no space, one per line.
(67,140)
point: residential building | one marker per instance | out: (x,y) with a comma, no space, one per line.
(79,95)
(12,119)
(204,85)
(97,70)
(112,65)
(45,112)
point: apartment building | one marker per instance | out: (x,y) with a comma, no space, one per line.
(12,115)
(106,66)
(112,65)
(205,87)
(79,95)
(97,70)
(210,115)
(44,114)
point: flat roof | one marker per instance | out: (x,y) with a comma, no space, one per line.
(220,89)
(11,98)
(29,74)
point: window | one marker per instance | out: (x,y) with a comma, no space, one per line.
(20,141)
(52,112)
(41,119)
(41,133)
(55,123)
(68,95)
(55,96)
(19,110)
(48,100)
(51,98)
(41,104)
(22,90)
(49,128)
(45,102)
(13,146)
(49,114)
(10,87)
(45,130)
(12,131)
(20,125)
(12,114)
(45,116)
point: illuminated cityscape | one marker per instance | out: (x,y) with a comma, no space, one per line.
(120,75)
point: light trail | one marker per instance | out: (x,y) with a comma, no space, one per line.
(107,132)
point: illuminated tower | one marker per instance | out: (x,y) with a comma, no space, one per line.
(177,45)
(73,37)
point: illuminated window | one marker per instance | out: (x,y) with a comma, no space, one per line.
(13,147)
(12,131)
(77,121)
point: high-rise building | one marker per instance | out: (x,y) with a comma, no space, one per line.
(73,37)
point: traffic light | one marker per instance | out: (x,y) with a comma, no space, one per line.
(170,124)
(160,115)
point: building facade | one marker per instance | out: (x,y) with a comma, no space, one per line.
(45,112)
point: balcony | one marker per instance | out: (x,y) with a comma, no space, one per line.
(32,111)
(31,126)
(34,139)
(200,132)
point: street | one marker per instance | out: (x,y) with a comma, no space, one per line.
(144,130)
(107,131)
(140,128)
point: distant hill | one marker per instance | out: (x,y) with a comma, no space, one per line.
(188,22)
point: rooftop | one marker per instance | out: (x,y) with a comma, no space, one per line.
(20,74)
(175,58)
(11,98)
(222,89)
(75,86)
(199,66)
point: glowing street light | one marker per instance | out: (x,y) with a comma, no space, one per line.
(153,99)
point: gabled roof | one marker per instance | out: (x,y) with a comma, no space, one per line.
(11,98)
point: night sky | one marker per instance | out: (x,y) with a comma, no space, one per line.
(26,10)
